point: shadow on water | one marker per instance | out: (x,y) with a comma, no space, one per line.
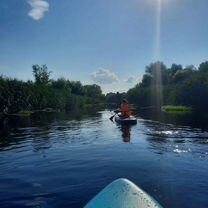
(180,119)
(126,133)
(13,129)
(83,153)
(175,133)
(158,136)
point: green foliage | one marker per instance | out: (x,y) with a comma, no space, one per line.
(14,95)
(92,90)
(41,74)
(77,88)
(49,110)
(21,98)
(24,113)
(175,68)
(179,86)
(203,67)
(176,108)
(114,98)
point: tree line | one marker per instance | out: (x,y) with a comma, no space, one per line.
(160,85)
(44,92)
(176,85)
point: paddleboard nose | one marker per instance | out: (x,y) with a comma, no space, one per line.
(122,193)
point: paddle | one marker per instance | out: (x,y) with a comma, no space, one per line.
(116,112)
(111,118)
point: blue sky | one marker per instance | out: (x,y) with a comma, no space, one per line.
(95,41)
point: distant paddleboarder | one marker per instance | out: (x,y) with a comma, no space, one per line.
(123,114)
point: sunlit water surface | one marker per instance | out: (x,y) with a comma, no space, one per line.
(64,162)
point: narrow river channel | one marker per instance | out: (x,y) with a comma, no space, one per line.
(63,162)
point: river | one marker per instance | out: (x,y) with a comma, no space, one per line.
(63,161)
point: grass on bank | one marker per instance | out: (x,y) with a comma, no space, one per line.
(23,113)
(28,113)
(174,108)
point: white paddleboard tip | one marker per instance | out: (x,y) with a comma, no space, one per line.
(122,193)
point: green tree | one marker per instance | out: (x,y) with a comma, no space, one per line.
(76,87)
(41,74)
(92,91)
(203,67)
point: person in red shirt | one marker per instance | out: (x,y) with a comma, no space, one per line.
(125,108)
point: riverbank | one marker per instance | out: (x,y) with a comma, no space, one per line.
(174,108)
(83,109)
(28,113)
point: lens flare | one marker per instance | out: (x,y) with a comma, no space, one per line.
(157,88)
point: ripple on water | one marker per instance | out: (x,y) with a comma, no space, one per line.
(67,162)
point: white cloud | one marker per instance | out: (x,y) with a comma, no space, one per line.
(39,7)
(104,76)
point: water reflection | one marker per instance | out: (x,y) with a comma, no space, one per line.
(192,120)
(88,152)
(165,138)
(40,129)
(41,140)
(126,133)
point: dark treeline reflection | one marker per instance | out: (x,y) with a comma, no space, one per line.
(193,120)
(89,150)
(15,129)
(179,137)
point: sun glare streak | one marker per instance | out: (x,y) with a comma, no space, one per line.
(158,31)
(157,89)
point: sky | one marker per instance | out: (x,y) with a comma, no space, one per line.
(108,43)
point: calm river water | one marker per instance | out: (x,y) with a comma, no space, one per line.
(58,161)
